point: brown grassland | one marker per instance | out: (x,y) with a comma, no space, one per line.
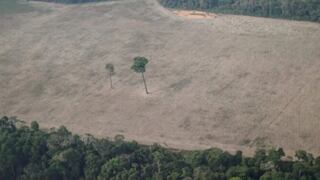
(232,82)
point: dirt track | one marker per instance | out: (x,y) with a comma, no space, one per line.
(231,82)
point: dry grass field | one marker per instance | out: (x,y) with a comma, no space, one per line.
(232,82)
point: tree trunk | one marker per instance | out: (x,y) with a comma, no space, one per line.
(145,85)
(111,81)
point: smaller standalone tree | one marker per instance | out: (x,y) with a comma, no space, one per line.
(139,66)
(110,69)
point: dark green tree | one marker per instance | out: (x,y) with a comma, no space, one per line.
(110,69)
(139,66)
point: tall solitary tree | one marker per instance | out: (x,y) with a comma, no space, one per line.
(110,69)
(139,66)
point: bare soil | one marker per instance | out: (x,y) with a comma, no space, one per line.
(232,82)
(194,14)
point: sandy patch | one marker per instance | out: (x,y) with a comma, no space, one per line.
(194,14)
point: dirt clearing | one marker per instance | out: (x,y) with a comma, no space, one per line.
(194,14)
(232,82)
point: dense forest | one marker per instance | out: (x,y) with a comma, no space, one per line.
(72,1)
(289,9)
(31,153)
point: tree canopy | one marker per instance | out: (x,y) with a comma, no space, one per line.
(110,68)
(72,1)
(31,153)
(288,9)
(139,64)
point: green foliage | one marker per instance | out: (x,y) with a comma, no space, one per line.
(34,126)
(301,155)
(289,9)
(112,168)
(235,178)
(139,64)
(238,171)
(72,1)
(30,153)
(109,67)
(15,6)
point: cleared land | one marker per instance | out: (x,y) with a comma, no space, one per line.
(232,82)
(194,14)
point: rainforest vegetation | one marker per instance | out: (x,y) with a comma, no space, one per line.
(289,9)
(72,1)
(28,152)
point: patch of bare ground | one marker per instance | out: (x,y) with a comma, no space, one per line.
(194,14)
(232,82)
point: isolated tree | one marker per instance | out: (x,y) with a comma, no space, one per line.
(139,66)
(110,69)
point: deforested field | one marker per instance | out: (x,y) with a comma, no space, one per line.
(232,82)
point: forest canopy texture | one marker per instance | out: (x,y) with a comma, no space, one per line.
(308,10)
(31,153)
(289,9)
(72,1)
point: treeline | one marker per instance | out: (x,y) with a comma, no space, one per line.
(289,9)
(71,1)
(31,153)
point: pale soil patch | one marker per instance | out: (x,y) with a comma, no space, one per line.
(232,82)
(194,14)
